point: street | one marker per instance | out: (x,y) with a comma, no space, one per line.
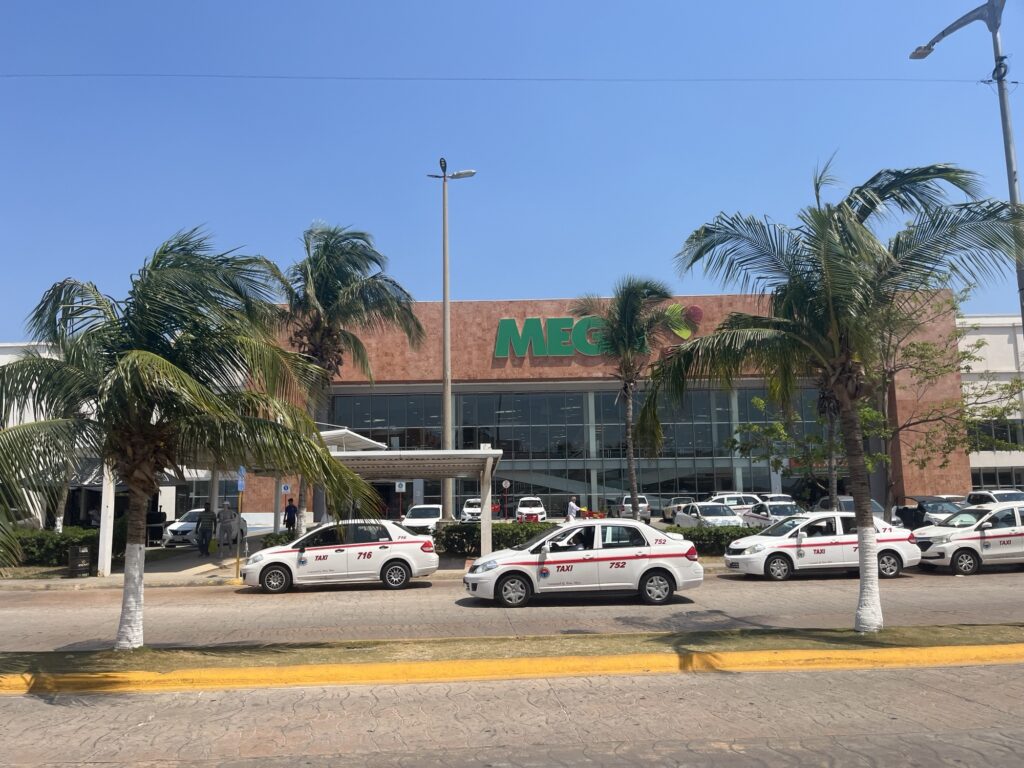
(964,716)
(205,616)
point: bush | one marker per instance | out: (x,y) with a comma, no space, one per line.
(51,548)
(276,539)
(712,541)
(464,538)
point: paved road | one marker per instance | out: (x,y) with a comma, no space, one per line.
(963,717)
(31,621)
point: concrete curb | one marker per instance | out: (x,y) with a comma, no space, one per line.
(468,670)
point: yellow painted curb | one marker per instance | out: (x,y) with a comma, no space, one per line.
(395,673)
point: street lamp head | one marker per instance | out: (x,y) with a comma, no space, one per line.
(921,52)
(462,174)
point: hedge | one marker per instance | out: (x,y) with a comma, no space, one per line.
(464,538)
(277,539)
(713,540)
(42,547)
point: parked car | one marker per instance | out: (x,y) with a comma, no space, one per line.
(706,514)
(422,518)
(776,497)
(957,498)
(471,511)
(994,496)
(626,507)
(182,532)
(769,512)
(819,540)
(350,551)
(925,510)
(530,509)
(846,505)
(589,556)
(987,534)
(740,502)
(675,504)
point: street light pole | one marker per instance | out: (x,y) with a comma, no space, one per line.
(448,484)
(992,14)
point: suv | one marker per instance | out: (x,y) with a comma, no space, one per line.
(995,496)
(422,518)
(530,509)
(675,504)
(988,534)
(626,507)
(741,502)
(471,511)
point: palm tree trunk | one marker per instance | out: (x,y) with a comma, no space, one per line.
(833,471)
(129,630)
(300,524)
(630,457)
(869,605)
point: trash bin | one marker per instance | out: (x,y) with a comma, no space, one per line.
(78,561)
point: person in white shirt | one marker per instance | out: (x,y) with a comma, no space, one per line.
(573,509)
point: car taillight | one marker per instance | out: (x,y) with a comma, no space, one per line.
(912,539)
(691,554)
(427,546)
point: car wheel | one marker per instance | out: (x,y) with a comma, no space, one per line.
(656,588)
(514,591)
(276,579)
(889,565)
(778,568)
(395,575)
(965,562)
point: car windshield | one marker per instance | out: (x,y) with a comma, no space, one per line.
(532,541)
(940,507)
(1009,495)
(782,510)
(422,513)
(473,503)
(189,517)
(965,518)
(681,500)
(716,510)
(783,527)
(846,504)
(530,503)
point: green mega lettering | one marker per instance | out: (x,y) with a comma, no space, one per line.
(548,337)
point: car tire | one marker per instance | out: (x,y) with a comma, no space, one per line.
(656,587)
(275,579)
(965,562)
(778,567)
(513,591)
(395,575)
(890,565)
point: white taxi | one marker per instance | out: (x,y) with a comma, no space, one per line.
(986,534)
(589,556)
(819,540)
(767,512)
(349,551)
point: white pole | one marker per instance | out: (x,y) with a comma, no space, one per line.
(277,503)
(485,510)
(106,523)
(448,483)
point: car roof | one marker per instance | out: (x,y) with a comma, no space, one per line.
(788,503)
(524,498)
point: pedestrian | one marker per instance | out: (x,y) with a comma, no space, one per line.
(205,526)
(291,513)
(570,512)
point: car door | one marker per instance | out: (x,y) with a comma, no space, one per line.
(623,556)
(758,516)
(368,544)
(850,546)
(323,557)
(571,563)
(688,517)
(819,544)
(1001,541)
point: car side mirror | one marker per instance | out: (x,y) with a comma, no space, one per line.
(696,514)
(302,550)
(546,547)
(801,535)
(984,526)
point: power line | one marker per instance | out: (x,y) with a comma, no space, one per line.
(471,79)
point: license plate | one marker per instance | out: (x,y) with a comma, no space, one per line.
(734,565)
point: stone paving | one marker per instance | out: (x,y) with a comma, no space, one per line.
(934,717)
(40,621)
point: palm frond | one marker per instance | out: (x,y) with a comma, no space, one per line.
(910,190)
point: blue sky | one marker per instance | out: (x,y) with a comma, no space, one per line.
(578,183)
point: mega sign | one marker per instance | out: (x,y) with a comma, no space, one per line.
(550,337)
(567,336)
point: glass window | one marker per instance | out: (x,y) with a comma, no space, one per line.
(574,540)
(539,442)
(432,410)
(324,537)
(486,405)
(702,445)
(1004,519)
(467,409)
(343,411)
(538,409)
(378,411)
(360,412)
(521,438)
(849,524)
(556,408)
(700,402)
(397,411)
(574,408)
(414,410)
(557,442)
(620,536)
(365,533)
(824,527)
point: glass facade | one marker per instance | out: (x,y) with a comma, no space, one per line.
(561,444)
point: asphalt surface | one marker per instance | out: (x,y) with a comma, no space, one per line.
(204,616)
(934,717)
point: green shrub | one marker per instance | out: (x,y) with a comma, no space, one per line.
(464,538)
(276,539)
(51,548)
(710,540)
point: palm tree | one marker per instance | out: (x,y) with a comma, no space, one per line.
(632,321)
(338,289)
(186,370)
(831,288)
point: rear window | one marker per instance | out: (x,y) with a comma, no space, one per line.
(423,513)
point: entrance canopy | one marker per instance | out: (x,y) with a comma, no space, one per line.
(344,439)
(421,465)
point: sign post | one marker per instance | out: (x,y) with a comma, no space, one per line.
(504,507)
(400,489)
(238,523)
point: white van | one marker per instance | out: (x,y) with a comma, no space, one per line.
(422,518)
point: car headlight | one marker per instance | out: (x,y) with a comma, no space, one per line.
(941,539)
(254,559)
(487,565)
(753,549)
